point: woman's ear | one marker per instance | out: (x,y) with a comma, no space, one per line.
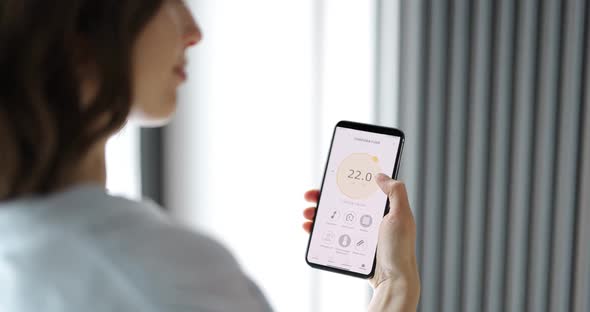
(86,71)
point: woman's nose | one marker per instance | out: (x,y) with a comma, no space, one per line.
(192,32)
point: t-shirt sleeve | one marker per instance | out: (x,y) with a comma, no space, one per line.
(181,270)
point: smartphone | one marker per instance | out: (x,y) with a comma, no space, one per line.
(351,205)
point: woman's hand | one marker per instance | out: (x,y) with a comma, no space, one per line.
(396,266)
(311,196)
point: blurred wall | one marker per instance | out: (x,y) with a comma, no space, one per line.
(494,98)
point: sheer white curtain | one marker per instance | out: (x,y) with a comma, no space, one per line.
(266,86)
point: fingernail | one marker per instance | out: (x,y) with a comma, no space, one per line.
(382,177)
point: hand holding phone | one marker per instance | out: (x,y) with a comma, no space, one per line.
(396,255)
(351,204)
(396,265)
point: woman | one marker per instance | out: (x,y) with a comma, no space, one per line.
(73,72)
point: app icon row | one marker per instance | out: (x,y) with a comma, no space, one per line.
(344,241)
(351,218)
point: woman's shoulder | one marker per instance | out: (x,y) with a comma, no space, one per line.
(143,227)
(90,218)
(189,268)
(145,257)
(170,265)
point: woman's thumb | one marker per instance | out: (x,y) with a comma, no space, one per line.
(384,183)
(395,190)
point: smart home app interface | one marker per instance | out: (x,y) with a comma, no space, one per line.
(351,205)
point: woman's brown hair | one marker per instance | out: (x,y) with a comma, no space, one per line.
(44,127)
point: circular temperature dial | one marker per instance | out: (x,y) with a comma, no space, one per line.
(356,175)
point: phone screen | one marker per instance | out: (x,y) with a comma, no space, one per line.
(351,204)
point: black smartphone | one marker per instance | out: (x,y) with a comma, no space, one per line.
(351,205)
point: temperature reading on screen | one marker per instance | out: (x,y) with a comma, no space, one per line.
(359,174)
(355,175)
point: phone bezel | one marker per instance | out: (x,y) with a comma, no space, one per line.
(367,128)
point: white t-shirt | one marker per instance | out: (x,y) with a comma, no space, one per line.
(84,250)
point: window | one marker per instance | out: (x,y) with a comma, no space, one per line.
(123,163)
(267,84)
